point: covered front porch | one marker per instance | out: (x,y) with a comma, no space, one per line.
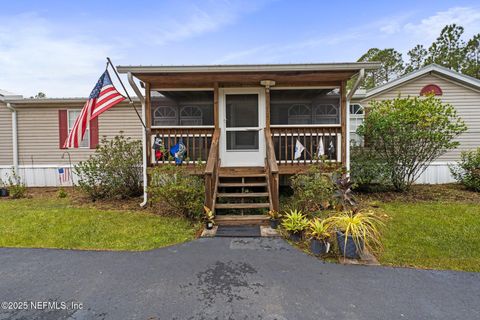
(243,126)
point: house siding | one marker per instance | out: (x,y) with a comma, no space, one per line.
(38,133)
(465,100)
(6,148)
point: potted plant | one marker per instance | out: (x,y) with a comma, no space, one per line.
(209,218)
(3,189)
(319,232)
(355,231)
(274,218)
(295,222)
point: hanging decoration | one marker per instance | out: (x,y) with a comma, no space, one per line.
(158,147)
(178,152)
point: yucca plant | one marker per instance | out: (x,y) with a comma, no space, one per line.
(319,233)
(355,231)
(295,222)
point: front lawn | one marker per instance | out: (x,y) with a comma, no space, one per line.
(438,235)
(49,222)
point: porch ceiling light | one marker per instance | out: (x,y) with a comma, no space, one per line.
(267,84)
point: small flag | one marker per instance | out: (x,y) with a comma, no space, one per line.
(298,149)
(64,175)
(103,97)
(331,149)
(178,151)
(321,149)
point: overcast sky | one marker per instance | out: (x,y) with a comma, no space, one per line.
(59,47)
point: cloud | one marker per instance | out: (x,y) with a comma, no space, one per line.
(33,57)
(429,28)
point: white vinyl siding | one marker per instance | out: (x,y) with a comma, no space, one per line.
(465,100)
(6,150)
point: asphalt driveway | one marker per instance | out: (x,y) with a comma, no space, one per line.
(225,278)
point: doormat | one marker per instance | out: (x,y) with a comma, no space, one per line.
(238,231)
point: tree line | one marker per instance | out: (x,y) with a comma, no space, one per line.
(449,50)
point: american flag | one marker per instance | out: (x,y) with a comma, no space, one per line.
(64,175)
(103,97)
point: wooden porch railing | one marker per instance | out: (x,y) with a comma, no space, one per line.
(196,140)
(285,138)
(271,169)
(211,171)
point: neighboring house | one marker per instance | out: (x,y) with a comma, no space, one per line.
(461,91)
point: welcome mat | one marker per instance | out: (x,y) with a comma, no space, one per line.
(238,231)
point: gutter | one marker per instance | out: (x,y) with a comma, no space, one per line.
(144,139)
(350,94)
(14,136)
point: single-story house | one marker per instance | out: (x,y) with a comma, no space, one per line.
(461,91)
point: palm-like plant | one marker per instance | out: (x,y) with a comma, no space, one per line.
(295,221)
(362,226)
(319,229)
(274,215)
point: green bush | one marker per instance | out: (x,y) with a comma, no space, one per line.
(312,191)
(61,193)
(180,191)
(467,170)
(114,171)
(407,134)
(16,188)
(367,170)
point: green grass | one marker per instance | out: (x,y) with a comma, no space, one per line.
(437,235)
(55,223)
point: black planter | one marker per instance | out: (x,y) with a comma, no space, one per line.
(3,192)
(318,246)
(349,250)
(209,225)
(274,223)
(295,236)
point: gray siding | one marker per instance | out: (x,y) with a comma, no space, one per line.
(38,134)
(465,100)
(6,150)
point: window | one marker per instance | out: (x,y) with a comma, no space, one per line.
(304,106)
(72,116)
(182,108)
(356,109)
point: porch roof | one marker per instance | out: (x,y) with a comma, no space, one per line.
(246,74)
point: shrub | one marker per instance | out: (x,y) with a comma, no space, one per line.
(16,188)
(313,190)
(367,170)
(407,134)
(61,193)
(180,191)
(467,170)
(113,171)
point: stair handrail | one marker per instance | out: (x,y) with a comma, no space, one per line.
(211,170)
(272,171)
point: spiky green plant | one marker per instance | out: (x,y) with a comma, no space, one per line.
(318,229)
(294,221)
(363,226)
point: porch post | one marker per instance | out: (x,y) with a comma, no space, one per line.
(148,123)
(267,107)
(215,105)
(344,115)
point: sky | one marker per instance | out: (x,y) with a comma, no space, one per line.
(60,47)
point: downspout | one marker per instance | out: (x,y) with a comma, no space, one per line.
(14,136)
(350,94)
(144,138)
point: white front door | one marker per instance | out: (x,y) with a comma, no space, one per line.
(242,123)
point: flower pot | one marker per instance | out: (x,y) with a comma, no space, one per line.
(350,250)
(274,223)
(209,225)
(3,192)
(296,236)
(319,246)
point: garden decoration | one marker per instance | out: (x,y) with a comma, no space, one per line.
(178,152)
(209,218)
(158,148)
(3,189)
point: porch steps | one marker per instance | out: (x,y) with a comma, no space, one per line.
(254,205)
(242,192)
(241,220)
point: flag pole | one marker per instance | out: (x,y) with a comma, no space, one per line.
(109,62)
